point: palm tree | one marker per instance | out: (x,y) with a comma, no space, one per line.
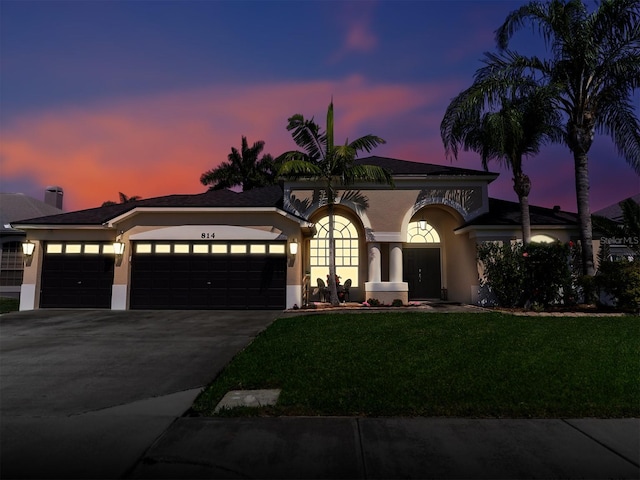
(519,128)
(243,168)
(592,73)
(123,199)
(332,164)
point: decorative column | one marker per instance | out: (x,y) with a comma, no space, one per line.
(395,262)
(375,274)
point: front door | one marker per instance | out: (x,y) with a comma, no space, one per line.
(422,272)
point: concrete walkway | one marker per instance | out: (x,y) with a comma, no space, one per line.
(313,447)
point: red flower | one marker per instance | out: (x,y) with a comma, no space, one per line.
(525,254)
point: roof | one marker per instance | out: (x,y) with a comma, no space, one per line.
(506,213)
(259,197)
(614,212)
(15,206)
(404,167)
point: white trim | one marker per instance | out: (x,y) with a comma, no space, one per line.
(114,221)
(294,296)
(195,232)
(119,297)
(27,296)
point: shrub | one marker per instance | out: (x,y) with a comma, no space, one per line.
(9,304)
(536,275)
(621,279)
(397,303)
(373,302)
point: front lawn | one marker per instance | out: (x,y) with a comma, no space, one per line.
(471,365)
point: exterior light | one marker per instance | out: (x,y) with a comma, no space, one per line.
(423,224)
(293,247)
(28,248)
(118,248)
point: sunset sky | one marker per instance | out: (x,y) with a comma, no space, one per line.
(101,97)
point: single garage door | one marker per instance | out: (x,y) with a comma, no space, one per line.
(77,275)
(203,276)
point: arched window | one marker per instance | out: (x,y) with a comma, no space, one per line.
(346,239)
(540,238)
(416,234)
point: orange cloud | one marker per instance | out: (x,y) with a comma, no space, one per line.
(160,144)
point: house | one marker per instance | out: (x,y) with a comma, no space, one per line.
(266,248)
(619,246)
(15,206)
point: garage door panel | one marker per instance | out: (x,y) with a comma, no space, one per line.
(211,281)
(76,280)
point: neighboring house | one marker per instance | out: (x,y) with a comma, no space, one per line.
(267,247)
(618,245)
(16,206)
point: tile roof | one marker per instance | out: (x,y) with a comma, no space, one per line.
(404,167)
(614,212)
(259,197)
(506,213)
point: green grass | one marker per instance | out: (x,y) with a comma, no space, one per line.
(471,365)
(9,304)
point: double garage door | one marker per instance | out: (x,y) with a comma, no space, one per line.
(168,275)
(208,275)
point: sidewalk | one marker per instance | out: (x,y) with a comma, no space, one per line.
(340,447)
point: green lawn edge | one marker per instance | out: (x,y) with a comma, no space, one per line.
(439,364)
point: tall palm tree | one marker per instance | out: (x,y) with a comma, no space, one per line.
(519,128)
(593,69)
(243,168)
(332,164)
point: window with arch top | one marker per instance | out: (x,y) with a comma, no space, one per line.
(417,234)
(347,250)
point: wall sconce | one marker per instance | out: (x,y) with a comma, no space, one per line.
(423,224)
(27,252)
(118,248)
(293,247)
(28,248)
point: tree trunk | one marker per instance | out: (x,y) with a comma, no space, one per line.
(522,187)
(584,212)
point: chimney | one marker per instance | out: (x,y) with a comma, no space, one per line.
(556,208)
(53,196)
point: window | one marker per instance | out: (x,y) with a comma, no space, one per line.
(415,234)
(347,250)
(540,238)
(11,264)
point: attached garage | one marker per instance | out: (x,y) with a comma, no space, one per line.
(77,275)
(202,275)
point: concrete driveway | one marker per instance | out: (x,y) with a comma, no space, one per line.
(83,393)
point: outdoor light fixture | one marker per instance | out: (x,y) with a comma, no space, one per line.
(28,248)
(118,248)
(293,247)
(423,224)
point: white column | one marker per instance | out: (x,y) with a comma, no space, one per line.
(395,262)
(375,272)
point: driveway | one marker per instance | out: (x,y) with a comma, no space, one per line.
(83,393)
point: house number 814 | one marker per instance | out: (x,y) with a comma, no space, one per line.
(208,235)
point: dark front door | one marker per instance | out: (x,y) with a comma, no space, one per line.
(422,272)
(76,281)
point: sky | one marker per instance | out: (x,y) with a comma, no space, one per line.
(142,97)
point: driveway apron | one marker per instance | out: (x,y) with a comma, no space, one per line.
(83,393)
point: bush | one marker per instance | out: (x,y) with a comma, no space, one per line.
(621,279)
(536,275)
(397,303)
(9,305)
(373,302)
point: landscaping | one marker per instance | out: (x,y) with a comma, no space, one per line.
(9,304)
(431,364)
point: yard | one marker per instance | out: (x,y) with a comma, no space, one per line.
(429,364)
